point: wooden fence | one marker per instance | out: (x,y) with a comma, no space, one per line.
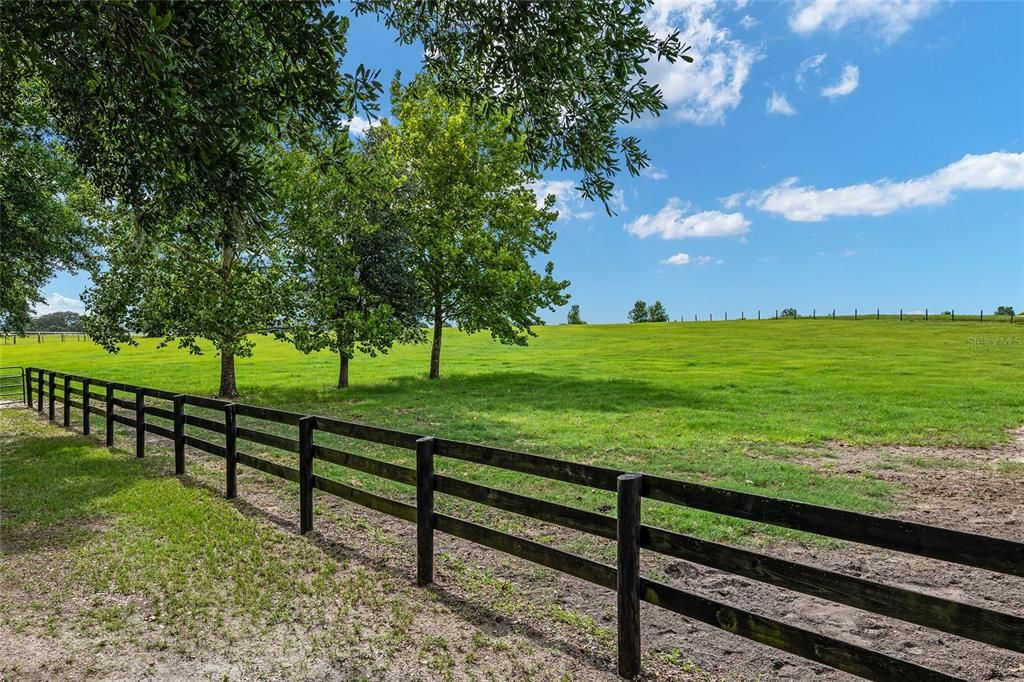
(989,626)
(40,337)
(863,314)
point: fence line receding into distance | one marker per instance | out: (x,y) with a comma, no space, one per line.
(139,408)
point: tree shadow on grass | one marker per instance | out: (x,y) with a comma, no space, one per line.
(53,487)
(491,393)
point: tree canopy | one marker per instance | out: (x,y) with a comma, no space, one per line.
(47,210)
(221,281)
(59,321)
(350,257)
(639,312)
(173,98)
(471,215)
(567,74)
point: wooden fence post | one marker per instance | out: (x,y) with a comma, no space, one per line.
(28,383)
(53,387)
(854,313)
(179,435)
(425,510)
(306,474)
(140,423)
(67,400)
(628,574)
(110,415)
(85,407)
(39,391)
(231,450)
(925,314)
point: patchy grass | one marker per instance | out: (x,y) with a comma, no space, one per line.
(113,568)
(736,404)
(1012,469)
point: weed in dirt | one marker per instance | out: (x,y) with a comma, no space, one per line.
(676,658)
(579,621)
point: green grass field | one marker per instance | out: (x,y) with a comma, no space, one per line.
(727,404)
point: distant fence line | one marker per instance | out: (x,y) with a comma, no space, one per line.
(858,314)
(41,337)
(172,412)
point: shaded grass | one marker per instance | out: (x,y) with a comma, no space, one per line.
(134,530)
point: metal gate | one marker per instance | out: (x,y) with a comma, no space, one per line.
(12,384)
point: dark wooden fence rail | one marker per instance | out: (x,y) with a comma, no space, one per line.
(996,628)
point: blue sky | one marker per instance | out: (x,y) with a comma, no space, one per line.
(817,155)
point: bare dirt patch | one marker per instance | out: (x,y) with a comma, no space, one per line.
(975,490)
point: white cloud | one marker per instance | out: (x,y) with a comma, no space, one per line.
(671,222)
(849,253)
(812,63)
(997,170)
(617,201)
(888,18)
(56,302)
(678,259)
(733,200)
(687,259)
(778,104)
(705,91)
(846,84)
(358,125)
(748,22)
(568,202)
(655,173)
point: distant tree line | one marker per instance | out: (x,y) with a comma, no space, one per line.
(642,312)
(60,321)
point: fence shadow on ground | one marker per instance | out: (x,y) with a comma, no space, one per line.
(492,622)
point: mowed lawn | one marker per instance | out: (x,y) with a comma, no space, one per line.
(725,403)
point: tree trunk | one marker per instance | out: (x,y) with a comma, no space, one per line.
(343,371)
(227,376)
(435,351)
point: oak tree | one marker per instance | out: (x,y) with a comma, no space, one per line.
(473,219)
(350,257)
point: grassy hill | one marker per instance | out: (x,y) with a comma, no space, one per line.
(724,403)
